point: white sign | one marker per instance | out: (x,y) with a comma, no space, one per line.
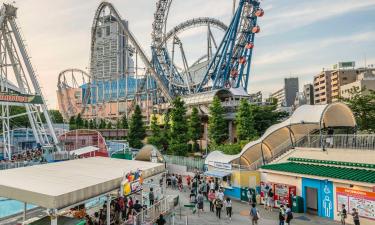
(220,165)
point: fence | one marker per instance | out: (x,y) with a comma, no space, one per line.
(190,163)
(13,165)
(350,141)
(149,215)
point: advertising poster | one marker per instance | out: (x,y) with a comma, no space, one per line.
(363,201)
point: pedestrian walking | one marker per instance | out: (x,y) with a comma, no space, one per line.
(218,206)
(228,206)
(355,217)
(254,214)
(342,214)
(200,199)
(281,215)
(211,199)
(151,196)
(161,220)
(270,199)
(288,215)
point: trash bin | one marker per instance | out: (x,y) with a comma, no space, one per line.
(244,196)
(297,204)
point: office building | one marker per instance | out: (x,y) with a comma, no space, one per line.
(286,95)
(365,81)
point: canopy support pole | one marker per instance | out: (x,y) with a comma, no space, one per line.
(261,149)
(24,211)
(108,209)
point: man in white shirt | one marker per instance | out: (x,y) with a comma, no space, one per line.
(220,195)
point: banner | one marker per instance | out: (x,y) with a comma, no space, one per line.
(21,98)
(363,201)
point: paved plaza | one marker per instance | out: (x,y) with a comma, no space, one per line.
(240,215)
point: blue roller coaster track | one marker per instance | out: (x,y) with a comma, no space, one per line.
(231,64)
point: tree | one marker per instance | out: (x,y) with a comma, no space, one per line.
(92,124)
(179,128)
(245,121)
(79,121)
(217,126)
(86,124)
(195,129)
(72,123)
(55,116)
(363,106)
(18,121)
(102,124)
(265,116)
(137,131)
(156,138)
(124,122)
(109,125)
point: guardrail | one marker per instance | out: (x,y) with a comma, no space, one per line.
(152,213)
(13,165)
(343,141)
(190,163)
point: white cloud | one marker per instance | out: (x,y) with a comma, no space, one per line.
(287,17)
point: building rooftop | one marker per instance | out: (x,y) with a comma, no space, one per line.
(326,168)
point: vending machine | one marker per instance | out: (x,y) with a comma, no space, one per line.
(284,194)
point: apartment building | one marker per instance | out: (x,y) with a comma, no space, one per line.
(322,87)
(365,81)
(286,95)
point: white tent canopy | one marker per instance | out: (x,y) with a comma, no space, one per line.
(84,150)
(306,119)
(62,184)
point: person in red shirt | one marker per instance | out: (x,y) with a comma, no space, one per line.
(188,181)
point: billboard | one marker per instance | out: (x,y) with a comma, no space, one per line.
(21,98)
(363,201)
(342,65)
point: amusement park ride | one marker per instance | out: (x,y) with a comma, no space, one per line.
(15,66)
(225,65)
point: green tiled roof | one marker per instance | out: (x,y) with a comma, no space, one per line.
(333,163)
(344,173)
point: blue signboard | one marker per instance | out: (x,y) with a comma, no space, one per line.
(324,195)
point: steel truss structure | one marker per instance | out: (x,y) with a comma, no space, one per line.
(229,67)
(15,65)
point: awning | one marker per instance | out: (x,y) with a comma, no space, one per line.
(217,173)
(84,150)
(63,184)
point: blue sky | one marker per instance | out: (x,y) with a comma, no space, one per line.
(298,37)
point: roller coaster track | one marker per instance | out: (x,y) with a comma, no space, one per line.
(162,83)
(63,87)
(161,60)
(230,66)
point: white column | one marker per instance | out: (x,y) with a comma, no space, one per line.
(24,211)
(108,210)
(54,221)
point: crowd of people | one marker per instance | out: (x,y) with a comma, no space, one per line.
(30,155)
(122,211)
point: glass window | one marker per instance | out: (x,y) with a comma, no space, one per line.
(108,30)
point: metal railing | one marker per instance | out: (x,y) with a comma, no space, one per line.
(152,213)
(13,165)
(343,141)
(189,162)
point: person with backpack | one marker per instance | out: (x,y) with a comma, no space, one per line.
(281,215)
(218,206)
(254,214)
(355,217)
(288,214)
(342,214)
